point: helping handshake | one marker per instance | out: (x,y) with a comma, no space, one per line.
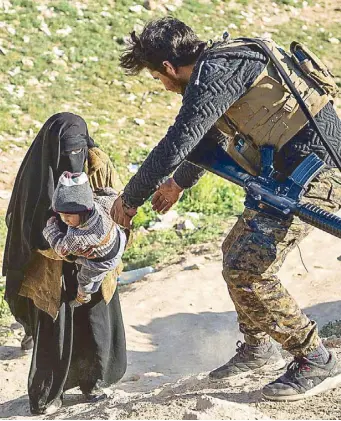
(164,198)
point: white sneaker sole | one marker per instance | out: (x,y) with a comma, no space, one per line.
(276,365)
(53,408)
(327,384)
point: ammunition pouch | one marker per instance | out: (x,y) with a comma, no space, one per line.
(313,68)
(268,113)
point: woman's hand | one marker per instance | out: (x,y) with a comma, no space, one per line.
(80,299)
(121,214)
(51,221)
(166,196)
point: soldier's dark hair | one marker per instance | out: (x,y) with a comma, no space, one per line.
(166,39)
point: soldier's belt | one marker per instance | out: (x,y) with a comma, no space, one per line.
(264,193)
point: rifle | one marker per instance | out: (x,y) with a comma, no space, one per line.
(264,193)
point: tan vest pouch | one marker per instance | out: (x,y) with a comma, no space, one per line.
(313,68)
(268,113)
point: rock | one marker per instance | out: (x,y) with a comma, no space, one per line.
(33,81)
(170,7)
(106,14)
(64,32)
(134,275)
(334,40)
(5,194)
(132,378)
(203,403)
(193,215)
(150,5)
(153,374)
(52,75)
(164,222)
(142,230)
(57,51)
(186,225)
(121,121)
(44,28)
(131,97)
(196,266)
(139,121)
(190,415)
(136,8)
(15,71)
(11,30)
(133,168)
(169,217)
(5,5)
(27,62)
(59,62)
(16,325)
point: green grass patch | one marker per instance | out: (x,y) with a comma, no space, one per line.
(331,329)
(165,247)
(3,232)
(63,56)
(4,309)
(214,199)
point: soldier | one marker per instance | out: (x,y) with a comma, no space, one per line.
(233,86)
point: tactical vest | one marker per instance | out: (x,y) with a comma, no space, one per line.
(268,113)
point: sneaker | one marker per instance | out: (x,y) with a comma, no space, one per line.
(249,358)
(27,343)
(304,378)
(97,394)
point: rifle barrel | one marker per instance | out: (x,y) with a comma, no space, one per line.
(319,218)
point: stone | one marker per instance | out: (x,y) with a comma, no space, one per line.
(186,225)
(136,8)
(139,121)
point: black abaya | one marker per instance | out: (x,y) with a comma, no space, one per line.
(79,348)
(85,344)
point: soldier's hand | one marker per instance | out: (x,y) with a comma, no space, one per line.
(121,214)
(166,196)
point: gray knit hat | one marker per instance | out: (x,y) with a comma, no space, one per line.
(73,194)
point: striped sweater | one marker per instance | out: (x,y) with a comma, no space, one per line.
(99,231)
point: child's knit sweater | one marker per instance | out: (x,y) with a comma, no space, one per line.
(99,231)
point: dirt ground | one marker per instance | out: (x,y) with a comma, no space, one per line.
(180,324)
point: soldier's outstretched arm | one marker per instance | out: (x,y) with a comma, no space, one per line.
(214,86)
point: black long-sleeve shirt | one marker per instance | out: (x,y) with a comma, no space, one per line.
(219,79)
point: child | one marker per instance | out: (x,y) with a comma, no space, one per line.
(89,225)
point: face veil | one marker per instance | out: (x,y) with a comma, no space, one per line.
(62,144)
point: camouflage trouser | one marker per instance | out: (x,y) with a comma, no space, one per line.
(253,253)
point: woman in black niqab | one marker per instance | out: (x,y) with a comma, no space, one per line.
(61,145)
(83,345)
